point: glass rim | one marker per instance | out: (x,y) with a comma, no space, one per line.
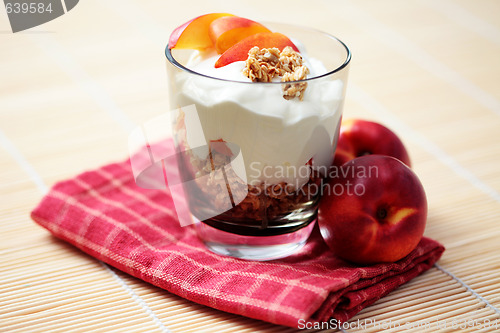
(346,62)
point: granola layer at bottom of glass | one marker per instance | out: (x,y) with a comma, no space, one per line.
(218,197)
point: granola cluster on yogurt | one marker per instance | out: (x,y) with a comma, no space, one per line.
(264,64)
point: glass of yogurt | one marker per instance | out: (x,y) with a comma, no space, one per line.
(253,154)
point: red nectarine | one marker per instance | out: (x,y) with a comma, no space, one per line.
(361,137)
(374,212)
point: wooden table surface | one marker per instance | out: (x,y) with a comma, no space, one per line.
(72,89)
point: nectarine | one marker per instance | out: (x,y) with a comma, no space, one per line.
(361,137)
(229,30)
(194,33)
(374,212)
(239,51)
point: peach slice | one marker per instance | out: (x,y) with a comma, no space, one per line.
(194,34)
(239,51)
(229,30)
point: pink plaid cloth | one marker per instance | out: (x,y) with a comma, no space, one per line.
(105,214)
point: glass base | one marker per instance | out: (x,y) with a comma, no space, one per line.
(259,248)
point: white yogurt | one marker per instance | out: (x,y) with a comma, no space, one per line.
(276,136)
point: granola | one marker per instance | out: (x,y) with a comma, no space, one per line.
(262,65)
(215,179)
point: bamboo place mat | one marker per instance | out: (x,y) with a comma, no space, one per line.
(73,88)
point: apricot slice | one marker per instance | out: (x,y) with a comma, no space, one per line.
(239,51)
(229,30)
(194,33)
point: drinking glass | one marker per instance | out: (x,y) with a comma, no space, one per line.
(251,165)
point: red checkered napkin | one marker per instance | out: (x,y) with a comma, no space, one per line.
(105,214)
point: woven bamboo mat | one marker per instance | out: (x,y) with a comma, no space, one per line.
(73,88)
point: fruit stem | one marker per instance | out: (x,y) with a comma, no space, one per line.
(381,213)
